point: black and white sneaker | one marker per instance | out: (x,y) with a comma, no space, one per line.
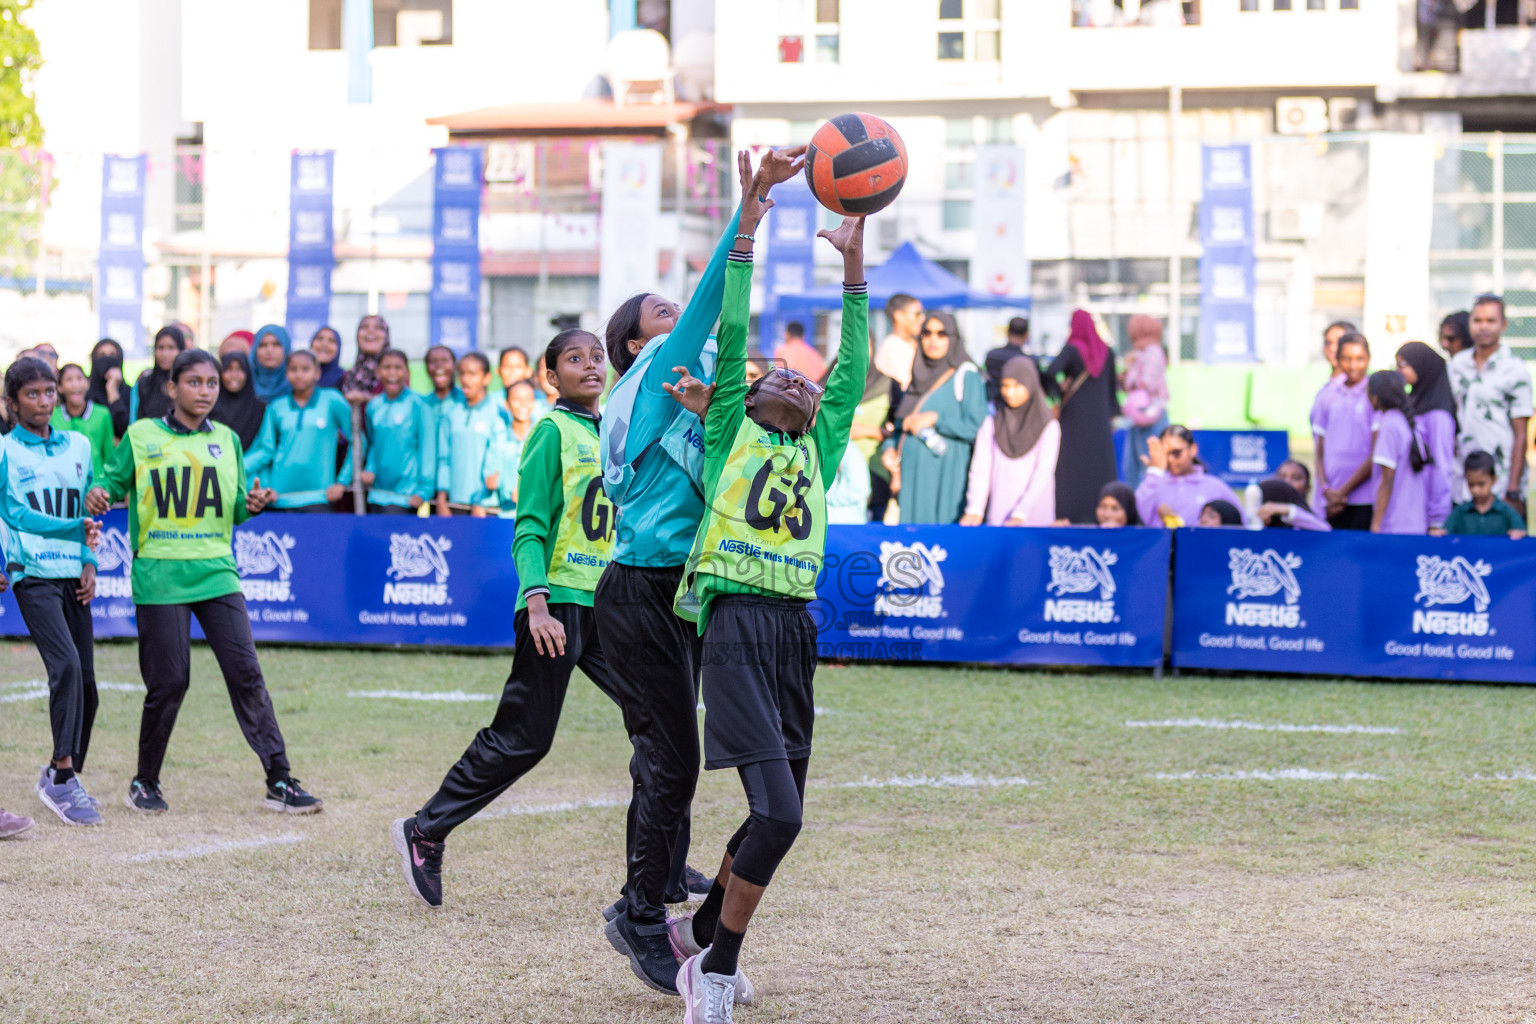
(699,883)
(421,861)
(617,907)
(286,796)
(144,796)
(649,951)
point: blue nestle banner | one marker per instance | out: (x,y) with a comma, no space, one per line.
(1227,281)
(1237,456)
(455,299)
(120,262)
(311,254)
(341,580)
(1356,604)
(789,268)
(994,594)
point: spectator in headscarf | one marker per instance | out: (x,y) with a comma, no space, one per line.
(238,407)
(326,345)
(1285,507)
(106,388)
(1434,410)
(361,383)
(269,368)
(1084,376)
(149,400)
(1146,392)
(1220,513)
(237,341)
(1013,468)
(1116,507)
(937,420)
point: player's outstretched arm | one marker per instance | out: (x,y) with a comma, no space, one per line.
(845,386)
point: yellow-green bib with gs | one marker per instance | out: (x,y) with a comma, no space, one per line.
(766,526)
(185,487)
(584,534)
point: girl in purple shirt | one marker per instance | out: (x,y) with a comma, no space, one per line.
(1434,412)
(1345,438)
(1176,487)
(1402,496)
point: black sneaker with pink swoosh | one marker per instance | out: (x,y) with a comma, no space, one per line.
(421,861)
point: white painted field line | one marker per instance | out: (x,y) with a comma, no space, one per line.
(446,696)
(517,810)
(1213,723)
(1280,775)
(37,689)
(818,710)
(1506,777)
(208,849)
(965,780)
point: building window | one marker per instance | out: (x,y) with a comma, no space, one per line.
(978,36)
(1000,131)
(957,214)
(826,49)
(1349,5)
(1248,5)
(791,49)
(189,181)
(1282,5)
(827,12)
(957,176)
(958,132)
(1317,5)
(951,46)
(395,23)
(950,10)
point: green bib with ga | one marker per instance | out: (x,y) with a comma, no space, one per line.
(185,487)
(766,525)
(584,534)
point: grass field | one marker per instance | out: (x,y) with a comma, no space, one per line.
(980,846)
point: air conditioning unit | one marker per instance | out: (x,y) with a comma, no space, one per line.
(1343,114)
(1301,115)
(1295,220)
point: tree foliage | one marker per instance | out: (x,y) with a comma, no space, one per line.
(26,173)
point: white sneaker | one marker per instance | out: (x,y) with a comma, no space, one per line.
(684,945)
(707,998)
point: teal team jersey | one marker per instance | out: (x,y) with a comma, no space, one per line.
(402,449)
(295,453)
(652,447)
(467,438)
(506,460)
(50,477)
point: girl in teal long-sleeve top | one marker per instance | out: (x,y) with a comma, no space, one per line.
(296,449)
(469,430)
(401,442)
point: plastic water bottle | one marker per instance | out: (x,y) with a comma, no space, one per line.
(933,440)
(1253,497)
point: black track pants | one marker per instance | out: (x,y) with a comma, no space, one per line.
(165,661)
(655,659)
(524,727)
(61,627)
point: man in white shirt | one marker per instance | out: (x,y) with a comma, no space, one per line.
(896,353)
(1493,404)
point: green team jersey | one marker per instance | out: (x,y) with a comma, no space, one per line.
(764,528)
(186,494)
(95,423)
(565,522)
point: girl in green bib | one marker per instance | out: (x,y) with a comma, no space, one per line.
(563,539)
(184,478)
(771,449)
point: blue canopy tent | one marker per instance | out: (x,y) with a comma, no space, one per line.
(906,272)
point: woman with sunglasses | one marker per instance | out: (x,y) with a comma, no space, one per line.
(937,420)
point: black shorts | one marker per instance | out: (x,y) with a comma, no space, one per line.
(759,663)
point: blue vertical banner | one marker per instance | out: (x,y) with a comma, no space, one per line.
(120,262)
(790,266)
(455,305)
(311,237)
(1227,281)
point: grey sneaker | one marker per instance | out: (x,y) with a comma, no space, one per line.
(13,824)
(707,998)
(69,801)
(684,945)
